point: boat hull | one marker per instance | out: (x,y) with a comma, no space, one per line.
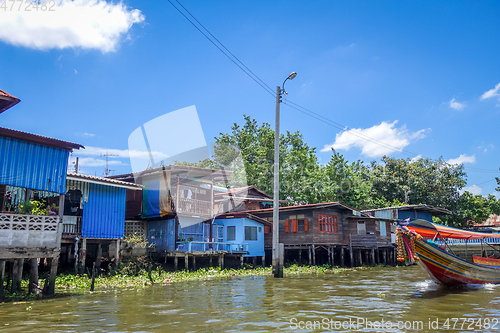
(450,270)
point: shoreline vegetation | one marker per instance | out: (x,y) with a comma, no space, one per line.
(81,284)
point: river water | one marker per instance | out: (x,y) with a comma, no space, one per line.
(403,298)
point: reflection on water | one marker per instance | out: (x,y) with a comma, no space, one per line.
(265,304)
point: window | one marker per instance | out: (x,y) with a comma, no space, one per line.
(298,223)
(383,228)
(250,233)
(231,233)
(328,223)
(268,229)
(361,228)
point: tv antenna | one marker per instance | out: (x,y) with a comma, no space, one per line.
(107,171)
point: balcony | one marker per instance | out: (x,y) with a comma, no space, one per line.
(29,231)
(72,226)
(196,246)
(192,206)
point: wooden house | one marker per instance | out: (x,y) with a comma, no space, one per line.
(330,233)
(31,167)
(176,211)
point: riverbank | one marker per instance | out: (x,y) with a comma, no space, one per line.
(81,284)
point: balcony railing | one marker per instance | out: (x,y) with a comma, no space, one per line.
(72,226)
(192,206)
(20,230)
(214,246)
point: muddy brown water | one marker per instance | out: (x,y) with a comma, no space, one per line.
(371,300)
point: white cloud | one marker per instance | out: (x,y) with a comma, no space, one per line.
(76,72)
(86,24)
(88,134)
(491,93)
(456,105)
(95,162)
(474,189)
(382,140)
(119,153)
(463,158)
(416,158)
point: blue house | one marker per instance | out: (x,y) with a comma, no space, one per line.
(242,228)
(94,214)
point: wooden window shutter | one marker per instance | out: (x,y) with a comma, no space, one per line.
(287,226)
(294,225)
(266,229)
(306,225)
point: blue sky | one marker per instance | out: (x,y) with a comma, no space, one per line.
(422,76)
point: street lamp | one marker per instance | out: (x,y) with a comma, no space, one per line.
(278,249)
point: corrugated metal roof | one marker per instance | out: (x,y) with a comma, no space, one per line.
(7,101)
(33,166)
(104,181)
(104,212)
(423,208)
(38,139)
(309,206)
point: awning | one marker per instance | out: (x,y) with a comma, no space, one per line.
(428,229)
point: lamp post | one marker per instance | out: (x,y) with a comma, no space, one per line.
(278,249)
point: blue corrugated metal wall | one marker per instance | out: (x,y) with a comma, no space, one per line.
(33,166)
(161,233)
(104,213)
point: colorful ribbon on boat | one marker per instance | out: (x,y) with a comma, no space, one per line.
(406,245)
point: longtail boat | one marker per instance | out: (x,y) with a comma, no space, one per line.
(417,243)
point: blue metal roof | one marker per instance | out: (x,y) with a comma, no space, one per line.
(104,212)
(34,166)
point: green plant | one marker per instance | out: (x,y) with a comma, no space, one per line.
(34,207)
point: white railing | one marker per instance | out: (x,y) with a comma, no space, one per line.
(72,225)
(215,246)
(192,206)
(19,230)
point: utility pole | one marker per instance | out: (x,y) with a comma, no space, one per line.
(76,165)
(107,171)
(278,249)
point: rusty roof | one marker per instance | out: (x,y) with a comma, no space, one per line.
(102,180)
(308,206)
(7,101)
(39,139)
(492,221)
(422,208)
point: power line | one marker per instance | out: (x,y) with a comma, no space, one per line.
(289,103)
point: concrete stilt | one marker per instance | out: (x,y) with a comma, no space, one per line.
(176,263)
(310,256)
(241,262)
(300,257)
(98,259)
(264,261)
(221,261)
(82,256)
(186,262)
(194,263)
(342,261)
(314,254)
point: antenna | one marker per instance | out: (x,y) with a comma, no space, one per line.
(107,171)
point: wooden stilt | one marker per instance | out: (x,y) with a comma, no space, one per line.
(33,286)
(310,256)
(2,274)
(82,256)
(92,285)
(176,263)
(329,255)
(342,259)
(264,261)
(332,251)
(13,284)
(314,254)
(360,255)
(254,262)
(186,262)
(350,251)
(300,257)
(377,260)
(194,263)
(384,256)
(53,273)
(211,265)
